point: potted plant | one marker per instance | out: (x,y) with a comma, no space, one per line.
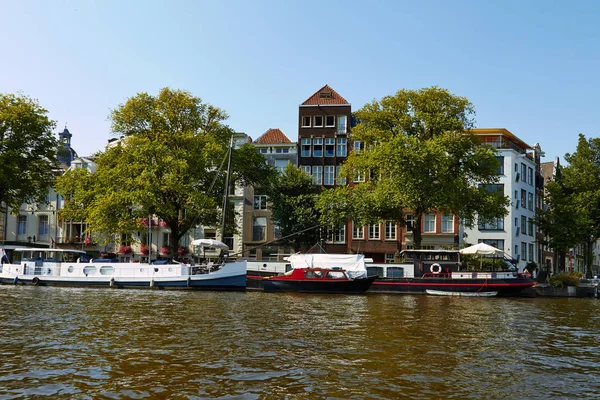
(164,251)
(124,249)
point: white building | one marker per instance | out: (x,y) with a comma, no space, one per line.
(515,234)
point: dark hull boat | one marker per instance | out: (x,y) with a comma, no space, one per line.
(317,280)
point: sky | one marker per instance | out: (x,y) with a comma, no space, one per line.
(528,66)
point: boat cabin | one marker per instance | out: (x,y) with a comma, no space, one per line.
(314,274)
(39,256)
(433,261)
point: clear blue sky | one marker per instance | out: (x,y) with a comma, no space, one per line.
(529,66)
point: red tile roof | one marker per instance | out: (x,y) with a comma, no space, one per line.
(273,135)
(325,96)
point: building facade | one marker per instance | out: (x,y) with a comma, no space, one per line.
(515,234)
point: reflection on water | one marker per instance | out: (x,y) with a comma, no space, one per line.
(89,343)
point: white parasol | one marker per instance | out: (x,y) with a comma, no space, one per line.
(209,243)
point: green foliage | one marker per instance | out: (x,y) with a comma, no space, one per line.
(477,263)
(28,151)
(172,148)
(293,196)
(531,266)
(566,279)
(420,158)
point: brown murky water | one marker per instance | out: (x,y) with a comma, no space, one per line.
(102,343)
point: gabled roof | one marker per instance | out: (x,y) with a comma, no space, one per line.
(325,96)
(273,135)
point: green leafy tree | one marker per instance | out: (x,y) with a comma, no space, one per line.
(582,177)
(28,151)
(293,196)
(167,164)
(418,157)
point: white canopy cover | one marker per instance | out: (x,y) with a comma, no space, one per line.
(209,243)
(482,249)
(353,264)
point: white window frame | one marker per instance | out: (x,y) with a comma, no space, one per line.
(260,200)
(409,219)
(317,142)
(358,232)
(374,232)
(306,118)
(331,143)
(307,169)
(427,222)
(390,230)
(317,174)
(358,176)
(448,219)
(339,179)
(315,124)
(305,142)
(329,175)
(342,147)
(342,124)
(332,124)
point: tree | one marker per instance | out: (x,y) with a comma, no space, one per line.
(293,196)
(28,151)
(582,178)
(167,165)
(420,157)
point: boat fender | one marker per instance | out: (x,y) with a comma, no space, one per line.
(16,280)
(112,282)
(35,281)
(435,268)
(189,281)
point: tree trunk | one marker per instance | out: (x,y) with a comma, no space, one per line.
(417,235)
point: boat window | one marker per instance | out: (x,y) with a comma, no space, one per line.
(335,275)
(106,270)
(89,270)
(313,274)
(375,271)
(395,272)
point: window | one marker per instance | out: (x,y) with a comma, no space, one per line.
(22,225)
(530,227)
(358,232)
(495,188)
(341,147)
(317,174)
(358,146)
(516,250)
(429,223)
(448,223)
(374,231)
(330,147)
(359,176)
(259,229)
(523,198)
(390,230)
(318,121)
(306,168)
(523,251)
(329,175)
(524,224)
(341,180)
(410,222)
(280,150)
(263,151)
(500,170)
(281,165)
(389,258)
(43,225)
(329,120)
(530,176)
(260,202)
(341,124)
(318,147)
(530,251)
(306,121)
(336,234)
(305,149)
(530,201)
(496,224)
(497,243)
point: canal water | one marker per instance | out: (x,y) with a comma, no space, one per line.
(103,343)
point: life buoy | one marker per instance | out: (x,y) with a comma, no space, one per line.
(35,281)
(435,268)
